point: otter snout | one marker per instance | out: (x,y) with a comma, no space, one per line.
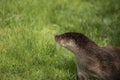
(57,38)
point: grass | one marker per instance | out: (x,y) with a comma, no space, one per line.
(28,50)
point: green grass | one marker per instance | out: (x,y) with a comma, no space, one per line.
(28,50)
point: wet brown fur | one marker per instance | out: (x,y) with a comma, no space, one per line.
(92,60)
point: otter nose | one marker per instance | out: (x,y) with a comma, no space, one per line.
(56,37)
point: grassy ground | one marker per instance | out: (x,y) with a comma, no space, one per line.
(27,28)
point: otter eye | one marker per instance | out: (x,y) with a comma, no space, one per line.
(62,37)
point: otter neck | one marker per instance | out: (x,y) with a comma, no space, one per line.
(83,50)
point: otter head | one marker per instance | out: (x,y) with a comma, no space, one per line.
(64,41)
(72,40)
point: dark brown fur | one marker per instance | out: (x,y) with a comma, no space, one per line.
(92,60)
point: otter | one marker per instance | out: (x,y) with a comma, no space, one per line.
(102,63)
